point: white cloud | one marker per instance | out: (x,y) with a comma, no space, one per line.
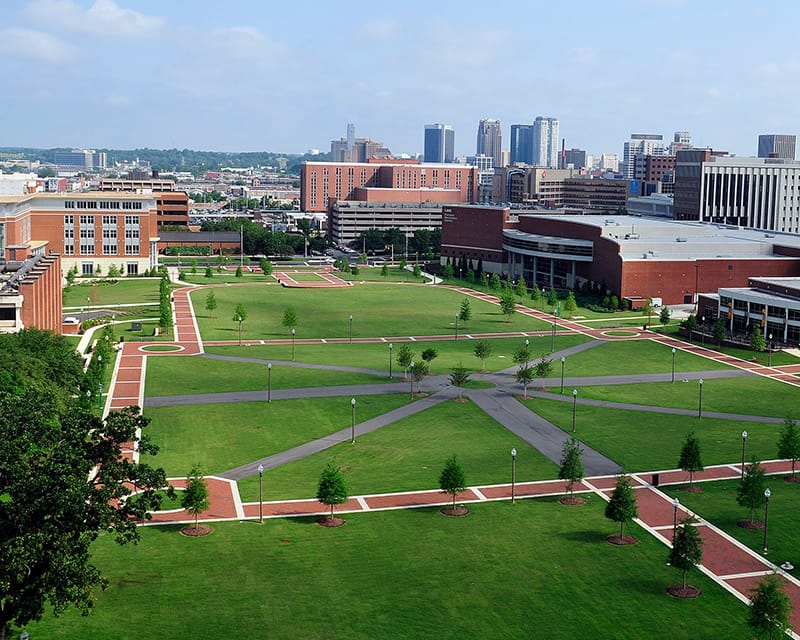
(35,44)
(714,92)
(104,18)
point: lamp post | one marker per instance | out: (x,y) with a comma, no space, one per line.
(350,341)
(563,361)
(553,337)
(456,338)
(513,475)
(240,330)
(673,365)
(574,403)
(411,379)
(744,442)
(89,397)
(769,349)
(100,395)
(269,382)
(767,494)
(703,331)
(260,494)
(675,504)
(352,420)
(293,334)
(391,347)
(700,400)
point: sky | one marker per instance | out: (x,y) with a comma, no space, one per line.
(253,75)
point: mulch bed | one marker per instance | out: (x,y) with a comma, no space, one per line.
(457,512)
(755,525)
(197,532)
(622,541)
(460,400)
(692,488)
(328,521)
(679,591)
(572,500)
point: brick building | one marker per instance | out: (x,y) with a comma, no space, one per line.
(30,294)
(172,205)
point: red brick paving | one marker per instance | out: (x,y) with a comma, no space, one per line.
(747,584)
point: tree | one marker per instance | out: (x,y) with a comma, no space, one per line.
(429,354)
(690,460)
(266,266)
(419,371)
(648,309)
(385,271)
(524,376)
(452,479)
(494,282)
(71,275)
(239,273)
(447,272)
(690,323)
(622,505)
(543,368)
(663,316)
(750,493)
(484,279)
(687,548)
(770,608)
(465,312)
(757,342)
(113,271)
(459,378)
(289,320)
(520,289)
(239,313)
(720,331)
(571,468)
(789,443)
(194,265)
(354,270)
(417,271)
(209,273)
(536,294)
(482,350)
(570,305)
(332,488)
(195,496)
(405,357)
(508,303)
(211,303)
(552,298)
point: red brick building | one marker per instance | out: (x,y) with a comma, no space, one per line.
(30,294)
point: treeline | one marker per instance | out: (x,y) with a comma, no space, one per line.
(260,241)
(426,242)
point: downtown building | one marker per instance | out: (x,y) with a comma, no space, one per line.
(490,141)
(439,143)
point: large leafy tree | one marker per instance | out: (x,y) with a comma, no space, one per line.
(571,467)
(331,489)
(789,443)
(687,548)
(690,460)
(770,608)
(750,493)
(622,505)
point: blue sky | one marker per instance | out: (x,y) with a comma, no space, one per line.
(288,76)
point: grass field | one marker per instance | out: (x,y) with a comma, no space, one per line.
(225,277)
(409,455)
(501,572)
(123,291)
(221,436)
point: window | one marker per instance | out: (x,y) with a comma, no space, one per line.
(131,235)
(69,235)
(132,268)
(87,268)
(109,235)
(87,235)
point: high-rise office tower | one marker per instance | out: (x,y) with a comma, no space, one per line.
(439,143)
(490,141)
(775,145)
(545,142)
(639,146)
(521,143)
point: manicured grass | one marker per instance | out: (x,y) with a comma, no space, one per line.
(717,504)
(162,348)
(399,310)
(504,571)
(375,355)
(373,274)
(409,455)
(123,291)
(640,441)
(178,376)
(750,395)
(222,436)
(225,277)
(147,332)
(305,277)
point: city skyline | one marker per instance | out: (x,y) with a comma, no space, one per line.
(247,77)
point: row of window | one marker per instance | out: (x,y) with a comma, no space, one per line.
(103,204)
(86,233)
(131,268)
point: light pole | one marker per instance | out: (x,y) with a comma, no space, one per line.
(700,400)
(744,442)
(260,494)
(553,337)
(352,420)
(675,504)
(240,330)
(391,347)
(673,365)
(269,382)
(563,361)
(513,474)
(293,333)
(574,403)
(100,395)
(351,329)
(769,350)
(456,338)
(767,494)
(411,379)
(703,331)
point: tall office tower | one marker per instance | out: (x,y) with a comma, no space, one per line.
(681,140)
(351,136)
(640,145)
(490,141)
(576,158)
(545,142)
(521,143)
(439,143)
(775,145)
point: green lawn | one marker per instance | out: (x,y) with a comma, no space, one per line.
(373,274)
(534,568)
(178,376)
(306,277)
(409,455)
(398,310)
(224,277)
(123,291)
(125,329)
(221,436)
(640,441)
(717,504)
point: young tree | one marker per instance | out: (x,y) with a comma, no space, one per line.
(524,376)
(289,320)
(687,549)
(571,467)
(266,266)
(211,303)
(543,368)
(419,371)
(536,294)
(385,271)
(452,479)
(195,496)
(552,298)
(757,342)
(770,609)
(239,312)
(113,271)
(239,273)
(447,272)
(663,316)
(570,305)
(622,505)
(484,279)
(403,263)
(354,270)
(521,355)
(209,273)
(429,354)
(648,309)
(521,289)
(750,493)
(465,312)
(690,460)
(508,303)
(720,331)
(482,350)
(494,282)
(71,275)
(194,265)
(789,443)
(417,271)
(459,378)
(404,357)
(332,488)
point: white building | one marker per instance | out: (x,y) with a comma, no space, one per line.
(545,142)
(639,146)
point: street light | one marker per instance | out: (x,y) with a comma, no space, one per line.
(351,328)
(456,338)
(769,350)
(391,346)
(352,420)
(293,333)
(260,494)
(563,361)
(269,382)
(240,329)
(574,403)
(100,395)
(744,442)
(703,331)
(411,378)
(553,338)
(673,364)
(675,504)
(513,474)
(767,494)
(700,400)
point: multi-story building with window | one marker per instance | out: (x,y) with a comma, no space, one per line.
(490,141)
(521,144)
(545,142)
(172,205)
(774,145)
(439,143)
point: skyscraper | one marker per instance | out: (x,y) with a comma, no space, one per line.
(439,143)
(545,142)
(490,141)
(774,145)
(639,146)
(522,143)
